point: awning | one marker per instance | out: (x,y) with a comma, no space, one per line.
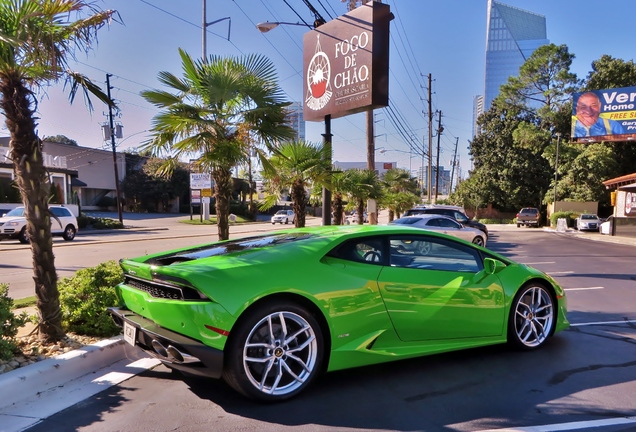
(75,182)
(626,180)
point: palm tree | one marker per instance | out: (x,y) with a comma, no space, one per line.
(297,166)
(202,115)
(340,186)
(37,38)
(401,191)
(367,186)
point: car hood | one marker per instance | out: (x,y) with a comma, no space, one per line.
(6,219)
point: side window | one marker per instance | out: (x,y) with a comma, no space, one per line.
(367,250)
(447,223)
(433,222)
(460,217)
(431,253)
(59,211)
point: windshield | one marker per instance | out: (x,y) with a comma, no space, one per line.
(281,212)
(588,216)
(16,212)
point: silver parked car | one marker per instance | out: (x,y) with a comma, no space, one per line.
(283,217)
(588,222)
(446,225)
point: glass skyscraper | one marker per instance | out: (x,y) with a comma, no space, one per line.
(512,35)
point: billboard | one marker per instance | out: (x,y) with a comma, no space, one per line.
(346,63)
(604,115)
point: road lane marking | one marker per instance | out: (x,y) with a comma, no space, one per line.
(544,262)
(569,426)
(563,272)
(583,289)
(603,323)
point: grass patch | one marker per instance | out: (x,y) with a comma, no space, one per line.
(25,302)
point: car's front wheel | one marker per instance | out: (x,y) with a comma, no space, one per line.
(23,237)
(532,317)
(478,240)
(275,352)
(69,233)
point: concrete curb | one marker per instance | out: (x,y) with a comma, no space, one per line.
(56,371)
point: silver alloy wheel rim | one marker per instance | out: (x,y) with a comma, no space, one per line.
(70,234)
(280,353)
(478,241)
(533,317)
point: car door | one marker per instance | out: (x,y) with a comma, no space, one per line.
(58,219)
(440,291)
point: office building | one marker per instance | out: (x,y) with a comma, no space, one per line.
(512,35)
(296,120)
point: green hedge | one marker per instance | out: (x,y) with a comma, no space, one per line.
(570,216)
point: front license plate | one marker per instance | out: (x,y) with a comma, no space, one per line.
(130,333)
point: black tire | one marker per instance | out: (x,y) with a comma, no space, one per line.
(23,237)
(69,233)
(518,225)
(273,223)
(286,221)
(271,380)
(532,317)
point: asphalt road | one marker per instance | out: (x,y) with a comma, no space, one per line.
(583,379)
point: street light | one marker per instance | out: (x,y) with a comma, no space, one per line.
(264,27)
(556,169)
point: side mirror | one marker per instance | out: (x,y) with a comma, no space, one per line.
(492,266)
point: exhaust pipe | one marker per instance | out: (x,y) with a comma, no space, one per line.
(179,357)
(159,349)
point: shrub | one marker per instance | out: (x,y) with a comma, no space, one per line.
(85,297)
(570,216)
(9,324)
(496,221)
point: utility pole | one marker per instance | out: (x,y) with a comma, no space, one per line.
(112,141)
(429,179)
(450,187)
(440,129)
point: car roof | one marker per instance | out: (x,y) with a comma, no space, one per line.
(428,216)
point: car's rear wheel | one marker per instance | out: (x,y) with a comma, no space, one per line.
(286,221)
(478,240)
(69,233)
(23,237)
(532,317)
(275,352)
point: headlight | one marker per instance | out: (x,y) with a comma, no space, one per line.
(12,223)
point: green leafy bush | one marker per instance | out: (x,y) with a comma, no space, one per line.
(496,221)
(9,324)
(570,216)
(85,297)
(85,221)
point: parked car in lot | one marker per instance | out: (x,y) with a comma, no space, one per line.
(63,223)
(588,222)
(529,216)
(222,310)
(444,224)
(354,217)
(454,212)
(283,217)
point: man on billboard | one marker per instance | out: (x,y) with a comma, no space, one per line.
(586,122)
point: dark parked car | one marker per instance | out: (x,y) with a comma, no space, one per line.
(454,212)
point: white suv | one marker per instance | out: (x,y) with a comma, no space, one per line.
(283,217)
(13,224)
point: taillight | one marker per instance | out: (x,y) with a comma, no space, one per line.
(517,215)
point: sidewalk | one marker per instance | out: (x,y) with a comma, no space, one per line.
(34,392)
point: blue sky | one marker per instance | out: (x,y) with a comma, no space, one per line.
(444,38)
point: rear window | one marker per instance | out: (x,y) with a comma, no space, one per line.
(529,211)
(229,247)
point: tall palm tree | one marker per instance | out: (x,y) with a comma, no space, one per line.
(202,112)
(367,186)
(37,38)
(297,166)
(340,186)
